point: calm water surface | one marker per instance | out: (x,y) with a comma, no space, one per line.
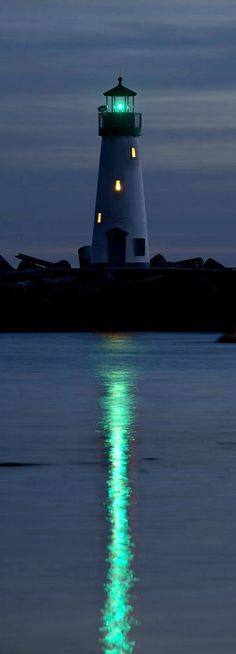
(119,535)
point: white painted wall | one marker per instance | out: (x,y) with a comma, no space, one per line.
(125,209)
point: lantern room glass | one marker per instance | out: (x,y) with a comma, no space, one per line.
(120,104)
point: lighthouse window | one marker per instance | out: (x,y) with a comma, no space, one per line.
(99,217)
(118,186)
(139,247)
(133,153)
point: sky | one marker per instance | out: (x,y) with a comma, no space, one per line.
(57,57)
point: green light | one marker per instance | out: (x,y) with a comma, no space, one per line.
(120,107)
(117,615)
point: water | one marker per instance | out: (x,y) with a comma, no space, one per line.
(119,535)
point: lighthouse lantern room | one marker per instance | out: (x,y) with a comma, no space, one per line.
(120,227)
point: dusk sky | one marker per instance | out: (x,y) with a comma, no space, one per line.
(57,59)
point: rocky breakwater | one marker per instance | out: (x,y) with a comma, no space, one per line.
(190,295)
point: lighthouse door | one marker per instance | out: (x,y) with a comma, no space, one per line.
(116,248)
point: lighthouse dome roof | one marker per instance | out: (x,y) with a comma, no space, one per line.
(120,90)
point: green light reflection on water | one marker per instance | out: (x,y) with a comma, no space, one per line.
(117,615)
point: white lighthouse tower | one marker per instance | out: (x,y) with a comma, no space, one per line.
(120,228)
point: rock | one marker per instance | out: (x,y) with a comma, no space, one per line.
(32,262)
(229,337)
(4,265)
(62,264)
(158,260)
(105,280)
(196,262)
(25,265)
(213,264)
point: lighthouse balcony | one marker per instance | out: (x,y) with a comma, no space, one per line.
(119,124)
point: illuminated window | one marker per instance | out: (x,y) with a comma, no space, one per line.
(133,153)
(118,186)
(99,217)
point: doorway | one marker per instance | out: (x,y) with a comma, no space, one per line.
(116,248)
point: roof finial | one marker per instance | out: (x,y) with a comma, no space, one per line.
(120,79)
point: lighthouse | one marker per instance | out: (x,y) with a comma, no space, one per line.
(120,226)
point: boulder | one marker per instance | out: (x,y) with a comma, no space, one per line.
(4,265)
(62,264)
(196,262)
(157,261)
(213,264)
(229,337)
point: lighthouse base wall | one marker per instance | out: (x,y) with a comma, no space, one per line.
(120,225)
(107,266)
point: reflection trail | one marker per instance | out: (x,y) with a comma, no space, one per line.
(117,614)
